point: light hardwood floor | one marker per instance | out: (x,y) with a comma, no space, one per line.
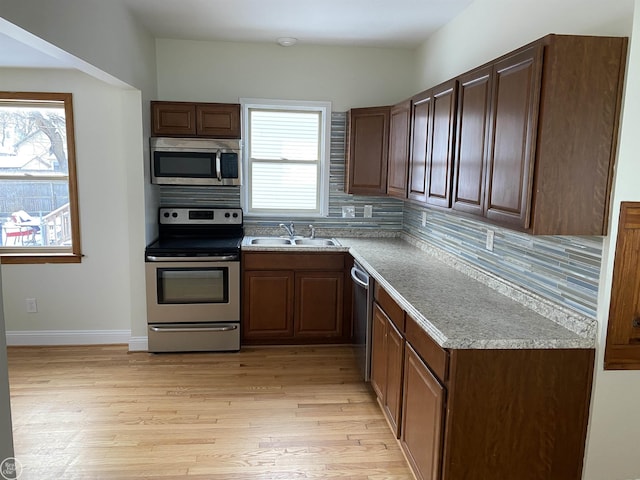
(99,412)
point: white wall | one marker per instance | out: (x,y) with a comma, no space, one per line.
(6,438)
(100,38)
(489,28)
(614,437)
(106,290)
(223,71)
(102,33)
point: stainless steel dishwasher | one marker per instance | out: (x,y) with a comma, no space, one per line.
(362,317)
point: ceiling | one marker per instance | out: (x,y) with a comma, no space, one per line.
(366,23)
(372,23)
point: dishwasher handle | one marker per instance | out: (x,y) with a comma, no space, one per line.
(356,275)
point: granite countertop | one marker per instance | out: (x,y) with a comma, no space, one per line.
(460,310)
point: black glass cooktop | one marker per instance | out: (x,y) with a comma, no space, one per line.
(194,245)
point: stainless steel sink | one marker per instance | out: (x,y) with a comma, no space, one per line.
(275,242)
(288,242)
(316,241)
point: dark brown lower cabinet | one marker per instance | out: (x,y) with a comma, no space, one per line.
(422,419)
(319,304)
(293,298)
(478,414)
(268,301)
(386,366)
(516,414)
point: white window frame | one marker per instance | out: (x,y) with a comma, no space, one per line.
(324,143)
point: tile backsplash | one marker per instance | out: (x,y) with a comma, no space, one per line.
(562,269)
(387,212)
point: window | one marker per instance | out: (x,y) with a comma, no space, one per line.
(38,194)
(286,153)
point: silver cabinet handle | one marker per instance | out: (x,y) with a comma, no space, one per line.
(226,328)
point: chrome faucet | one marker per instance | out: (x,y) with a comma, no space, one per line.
(291,229)
(313,231)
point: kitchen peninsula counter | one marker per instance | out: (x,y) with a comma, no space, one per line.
(459,306)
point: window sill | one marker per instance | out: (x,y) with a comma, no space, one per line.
(36,258)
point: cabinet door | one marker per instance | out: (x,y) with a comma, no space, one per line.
(422,418)
(440,167)
(319,304)
(379,352)
(393,393)
(515,99)
(474,94)
(220,120)
(268,305)
(399,133)
(623,331)
(368,151)
(173,119)
(421,124)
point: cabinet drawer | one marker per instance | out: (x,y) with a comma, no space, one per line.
(390,307)
(292,261)
(433,354)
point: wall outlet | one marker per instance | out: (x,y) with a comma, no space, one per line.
(32,305)
(489,243)
(424,219)
(368,211)
(348,211)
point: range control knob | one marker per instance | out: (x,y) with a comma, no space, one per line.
(235,215)
(227,215)
(166,214)
(174,214)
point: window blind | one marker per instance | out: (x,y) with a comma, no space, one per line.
(284,160)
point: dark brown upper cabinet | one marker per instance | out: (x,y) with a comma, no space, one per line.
(440,165)
(367,151)
(474,103)
(622,351)
(537,133)
(514,107)
(431,156)
(399,136)
(186,119)
(421,125)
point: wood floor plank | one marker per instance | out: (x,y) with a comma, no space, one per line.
(100,412)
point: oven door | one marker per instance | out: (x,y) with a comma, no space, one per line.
(199,290)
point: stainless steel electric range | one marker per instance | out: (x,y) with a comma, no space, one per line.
(193,280)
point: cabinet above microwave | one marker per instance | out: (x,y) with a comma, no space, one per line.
(187,119)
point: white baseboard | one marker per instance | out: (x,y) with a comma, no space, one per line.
(138,344)
(74,337)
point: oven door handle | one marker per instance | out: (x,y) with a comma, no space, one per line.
(217,258)
(226,328)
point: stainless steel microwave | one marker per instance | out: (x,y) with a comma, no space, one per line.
(195,161)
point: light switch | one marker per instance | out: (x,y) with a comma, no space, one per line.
(32,305)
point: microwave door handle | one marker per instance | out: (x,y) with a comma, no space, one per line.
(218,170)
